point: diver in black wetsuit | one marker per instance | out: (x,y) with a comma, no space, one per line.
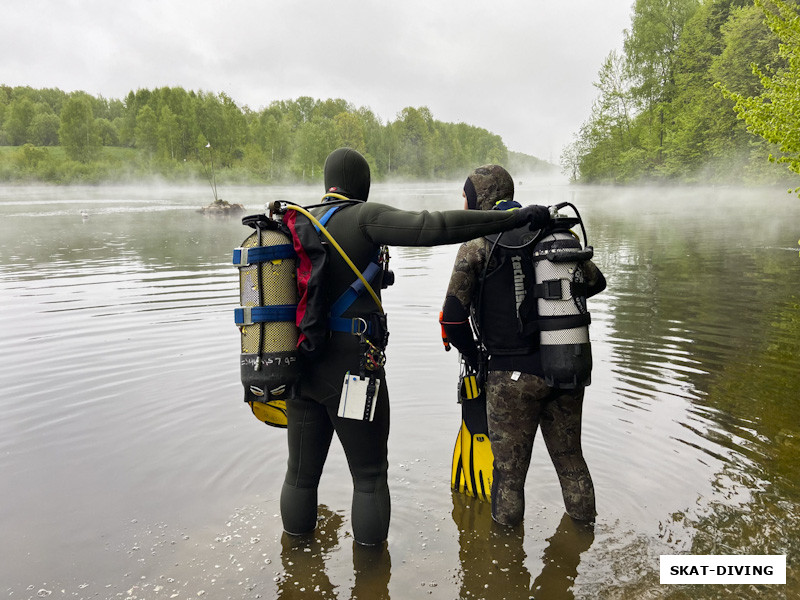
(361,229)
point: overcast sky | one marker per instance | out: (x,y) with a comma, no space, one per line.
(522,69)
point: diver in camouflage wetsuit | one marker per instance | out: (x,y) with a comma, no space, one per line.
(361,229)
(517,398)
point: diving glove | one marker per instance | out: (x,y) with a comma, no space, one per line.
(536,215)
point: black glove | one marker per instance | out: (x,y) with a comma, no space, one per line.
(537,216)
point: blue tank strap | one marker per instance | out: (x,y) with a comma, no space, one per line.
(258,254)
(356,289)
(324,220)
(248,315)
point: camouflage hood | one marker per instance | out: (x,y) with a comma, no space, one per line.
(490,184)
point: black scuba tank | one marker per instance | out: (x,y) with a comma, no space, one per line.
(563,317)
(266,318)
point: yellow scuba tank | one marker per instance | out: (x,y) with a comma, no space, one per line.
(563,317)
(266,318)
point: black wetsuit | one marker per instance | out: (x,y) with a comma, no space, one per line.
(360,229)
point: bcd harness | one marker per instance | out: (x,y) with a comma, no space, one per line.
(547,310)
(282,268)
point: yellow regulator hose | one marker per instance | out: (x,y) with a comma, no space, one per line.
(336,245)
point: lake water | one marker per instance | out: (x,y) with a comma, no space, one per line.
(131,468)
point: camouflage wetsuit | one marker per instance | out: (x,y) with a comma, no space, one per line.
(518,400)
(361,229)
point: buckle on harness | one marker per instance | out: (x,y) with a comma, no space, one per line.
(552,290)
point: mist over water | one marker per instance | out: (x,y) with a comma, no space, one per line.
(131,468)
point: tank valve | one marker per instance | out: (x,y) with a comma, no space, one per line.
(278,207)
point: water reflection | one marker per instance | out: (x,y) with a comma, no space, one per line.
(304,562)
(493,560)
(373,570)
(120,392)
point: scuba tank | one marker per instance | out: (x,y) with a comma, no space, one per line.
(266,318)
(560,292)
(547,310)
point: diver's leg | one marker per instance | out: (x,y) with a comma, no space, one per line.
(365,445)
(512,414)
(561,430)
(309,434)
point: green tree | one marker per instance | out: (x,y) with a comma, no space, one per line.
(314,141)
(303,109)
(43,130)
(745,39)
(615,104)
(609,146)
(77,130)
(109,136)
(696,108)
(19,115)
(256,162)
(570,159)
(4,102)
(414,129)
(773,113)
(328,109)
(651,43)
(373,139)
(176,110)
(169,132)
(272,133)
(650,49)
(449,151)
(349,131)
(127,122)
(234,127)
(222,123)
(146,131)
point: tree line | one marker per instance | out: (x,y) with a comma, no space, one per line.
(691,96)
(52,135)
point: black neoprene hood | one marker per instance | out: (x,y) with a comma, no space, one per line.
(471,194)
(347,173)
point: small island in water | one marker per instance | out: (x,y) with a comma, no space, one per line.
(222,208)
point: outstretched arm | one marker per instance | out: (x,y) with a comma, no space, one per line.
(384,224)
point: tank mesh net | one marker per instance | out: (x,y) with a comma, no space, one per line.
(560,337)
(565,272)
(278,336)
